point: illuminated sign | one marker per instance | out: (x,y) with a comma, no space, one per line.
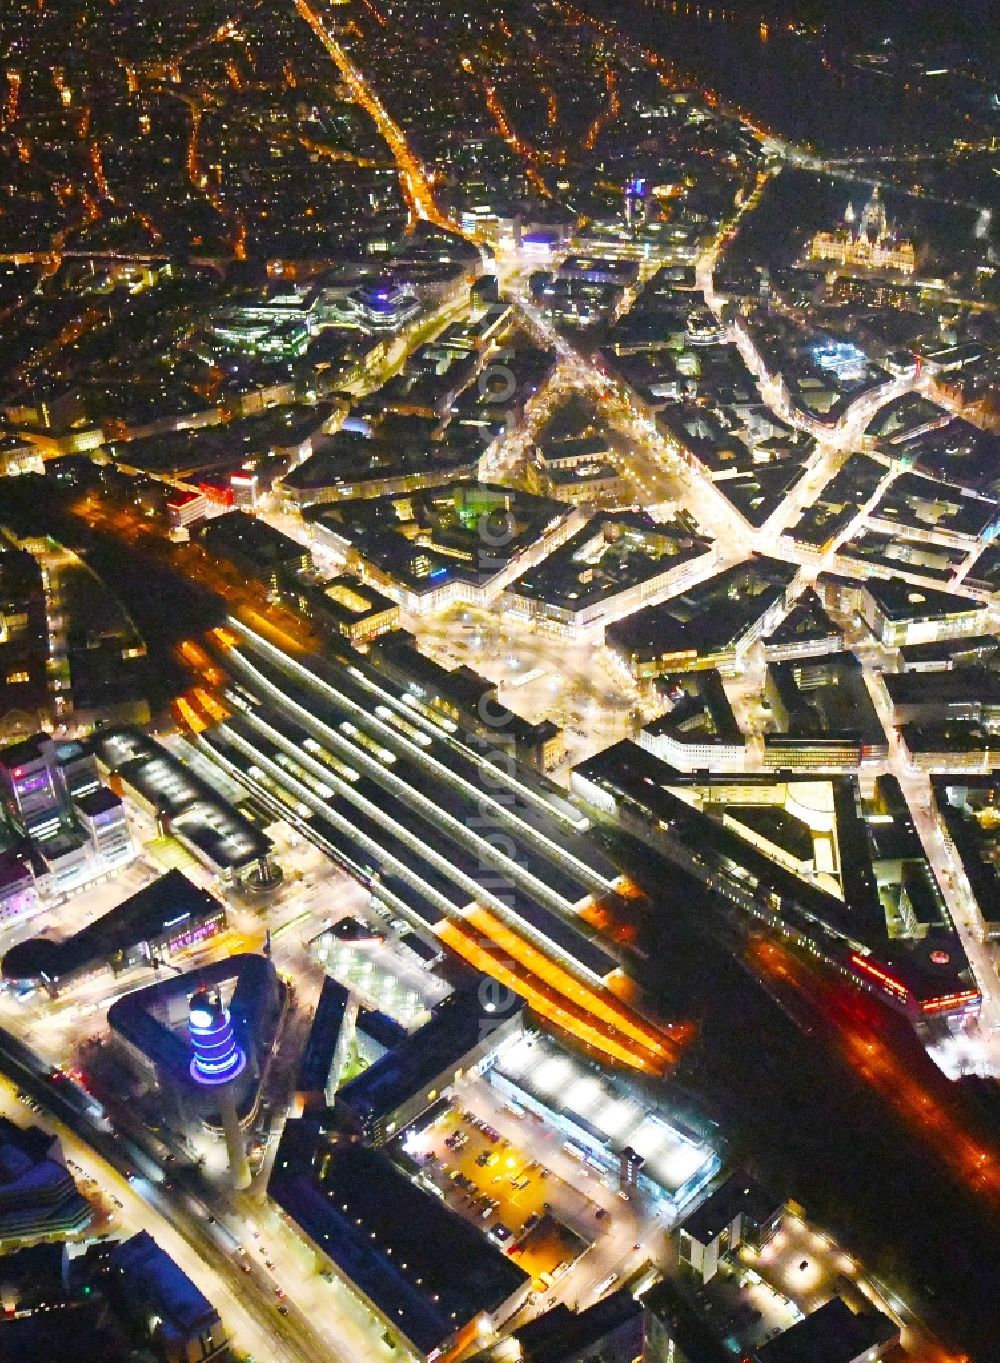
(888,982)
(947,1003)
(217,1058)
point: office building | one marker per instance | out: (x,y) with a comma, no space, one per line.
(638,199)
(38,1198)
(968,807)
(18,888)
(31,781)
(677,1331)
(699,729)
(804,854)
(738,1212)
(54,1310)
(432,1278)
(901,615)
(202,1040)
(24,638)
(331,1032)
(824,715)
(335,1179)
(712,624)
(102,816)
(70,829)
(165,917)
(464,1030)
(610,1331)
(833,1334)
(343,606)
(149,1288)
(255,548)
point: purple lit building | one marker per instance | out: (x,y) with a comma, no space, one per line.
(217,1062)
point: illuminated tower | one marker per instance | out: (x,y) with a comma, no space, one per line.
(636,203)
(874,224)
(217,1061)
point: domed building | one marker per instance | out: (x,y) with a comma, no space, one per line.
(868,244)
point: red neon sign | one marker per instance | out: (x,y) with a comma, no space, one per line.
(947,1001)
(887,981)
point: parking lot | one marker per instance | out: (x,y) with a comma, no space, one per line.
(485,1177)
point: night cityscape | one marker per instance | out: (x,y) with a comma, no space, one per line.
(499,681)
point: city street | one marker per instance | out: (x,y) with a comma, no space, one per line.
(247,1313)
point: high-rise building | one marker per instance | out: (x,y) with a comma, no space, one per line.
(637,203)
(31,782)
(24,637)
(217,1061)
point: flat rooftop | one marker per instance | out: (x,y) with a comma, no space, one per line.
(610,554)
(833,1334)
(564,1334)
(425,1268)
(152,1276)
(932,968)
(708,618)
(194,810)
(173,900)
(608,1110)
(737,1194)
(897,600)
(324,1033)
(455,1028)
(137,1016)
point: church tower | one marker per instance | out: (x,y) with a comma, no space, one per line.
(874,225)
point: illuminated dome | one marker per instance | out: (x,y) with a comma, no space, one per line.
(217,1058)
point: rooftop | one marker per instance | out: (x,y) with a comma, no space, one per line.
(194,810)
(165,903)
(324,1034)
(612,553)
(806,623)
(425,1268)
(246,540)
(897,600)
(151,1276)
(709,618)
(680,810)
(36,1190)
(456,1027)
(562,1334)
(833,1334)
(137,1016)
(738,1194)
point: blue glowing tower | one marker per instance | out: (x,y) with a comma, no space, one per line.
(216,1061)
